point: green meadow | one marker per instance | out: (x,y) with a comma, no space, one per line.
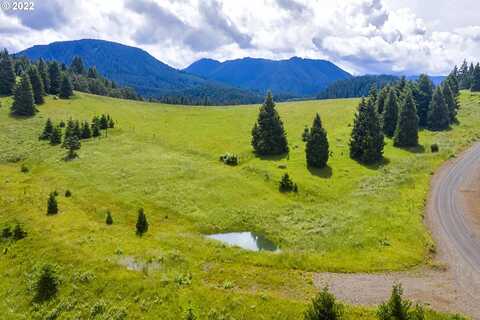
(345,218)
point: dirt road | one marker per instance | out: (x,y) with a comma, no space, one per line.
(453,216)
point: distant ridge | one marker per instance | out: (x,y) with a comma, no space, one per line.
(296,76)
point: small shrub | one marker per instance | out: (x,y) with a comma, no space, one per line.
(68,194)
(52,206)
(46,284)
(18,232)
(142,223)
(287,185)
(399,308)
(6,232)
(24,168)
(324,307)
(62,124)
(434,148)
(229,159)
(109,219)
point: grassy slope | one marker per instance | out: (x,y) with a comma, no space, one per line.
(345,218)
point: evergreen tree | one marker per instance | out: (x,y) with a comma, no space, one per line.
(55,77)
(453,83)
(268,134)
(92,73)
(390,114)
(438,116)
(37,85)
(475,82)
(23,102)
(398,308)
(373,95)
(95,130)
(382,98)
(324,307)
(52,206)
(109,219)
(317,149)
(366,143)
(66,90)
(7,74)
(77,65)
(463,77)
(103,122)
(401,85)
(305,134)
(56,136)
(47,130)
(450,101)
(43,71)
(86,131)
(72,143)
(424,98)
(46,285)
(142,223)
(406,133)
(111,124)
(70,130)
(287,185)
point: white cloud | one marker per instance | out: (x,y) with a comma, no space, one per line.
(364,36)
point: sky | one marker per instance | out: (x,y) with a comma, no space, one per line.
(362,36)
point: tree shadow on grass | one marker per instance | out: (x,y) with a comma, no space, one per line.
(418,149)
(272,157)
(325,173)
(375,166)
(17,117)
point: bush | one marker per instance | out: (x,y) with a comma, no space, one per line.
(52,206)
(18,232)
(142,223)
(46,284)
(62,124)
(109,219)
(24,169)
(324,307)
(6,232)
(287,185)
(434,148)
(399,308)
(68,194)
(229,159)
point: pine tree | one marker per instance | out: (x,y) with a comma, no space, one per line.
(55,77)
(475,83)
(373,95)
(66,90)
(406,133)
(268,134)
(142,223)
(70,130)
(317,149)
(23,102)
(72,144)
(109,219)
(43,71)
(56,136)
(453,83)
(396,308)
(103,122)
(47,130)
(286,184)
(463,78)
(382,98)
(86,131)
(52,206)
(438,116)
(324,307)
(95,130)
(366,143)
(423,99)
(111,124)
(77,65)
(77,131)
(7,74)
(401,85)
(390,114)
(450,102)
(37,85)
(46,285)
(92,73)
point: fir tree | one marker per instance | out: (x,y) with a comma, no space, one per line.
(43,71)
(66,90)
(46,285)
(77,131)
(86,131)
(450,101)
(52,206)
(23,102)
(47,130)
(286,184)
(398,308)
(77,65)
(317,149)
(70,130)
(95,130)
(142,223)
(475,83)
(72,144)
(373,95)
(406,133)
(425,93)
(7,74)
(111,124)
(390,114)
(268,134)
(37,85)
(103,122)
(382,98)
(463,76)
(324,307)
(92,73)
(366,143)
(55,77)
(401,85)
(56,136)
(438,116)
(452,81)
(109,219)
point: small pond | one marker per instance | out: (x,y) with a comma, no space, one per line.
(246,240)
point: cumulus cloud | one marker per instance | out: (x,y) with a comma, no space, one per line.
(363,36)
